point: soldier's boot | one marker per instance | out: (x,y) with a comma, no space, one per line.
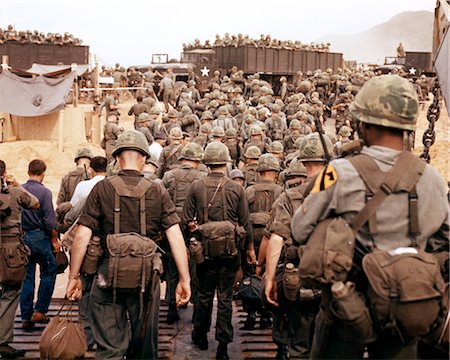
(265,321)
(222,351)
(282,352)
(250,321)
(200,339)
(172,315)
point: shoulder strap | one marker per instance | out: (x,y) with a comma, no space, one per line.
(173,151)
(122,189)
(207,182)
(406,163)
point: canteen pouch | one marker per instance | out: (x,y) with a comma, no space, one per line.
(219,239)
(130,262)
(405,291)
(353,314)
(13,261)
(328,255)
(260,219)
(92,258)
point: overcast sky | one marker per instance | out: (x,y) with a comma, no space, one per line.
(129,31)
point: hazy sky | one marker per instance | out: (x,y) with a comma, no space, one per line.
(130,31)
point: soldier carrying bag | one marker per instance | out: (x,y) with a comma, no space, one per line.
(406,288)
(133,259)
(219,238)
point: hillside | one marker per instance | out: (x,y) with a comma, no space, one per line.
(413,28)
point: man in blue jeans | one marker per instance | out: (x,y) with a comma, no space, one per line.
(38,227)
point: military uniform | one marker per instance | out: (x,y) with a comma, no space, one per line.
(391,102)
(169,158)
(111,132)
(10,237)
(229,204)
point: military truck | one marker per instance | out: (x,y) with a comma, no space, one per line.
(415,63)
(270,63)
(23,55)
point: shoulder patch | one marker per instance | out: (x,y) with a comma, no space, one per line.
(327,177)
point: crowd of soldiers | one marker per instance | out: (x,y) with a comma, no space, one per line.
(224,173)
(265,41)
(10,34)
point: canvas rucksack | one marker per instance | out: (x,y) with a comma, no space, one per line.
(133,259)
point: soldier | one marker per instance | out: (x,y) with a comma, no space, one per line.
(260,199)
(111,132)
(386,106)
(256,135)
(173,122)
(155,124)
(294,134)
(137,109)
(217,134)
(234,145)
(149,169)
(283,88)
(11,242)
(276,125)
(400,51)
(167,89)
(144,120)
(344,137)
(112,104)
(170,154)
(238,176)
(158,145)
(276,149)
(70,180)
(177,182)
(217,200)
(293,320)
(203,137)
(150,79)
(224,120)
(112,308)
(252,154)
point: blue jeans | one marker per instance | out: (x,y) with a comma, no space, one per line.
(41,253)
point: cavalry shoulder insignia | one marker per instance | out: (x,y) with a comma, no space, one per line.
(327,177)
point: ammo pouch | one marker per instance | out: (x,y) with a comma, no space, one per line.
(260,219)
(354,316)
(405,291)
(130,263)
(219,239)
(328,255)
(93,256)
(13,261)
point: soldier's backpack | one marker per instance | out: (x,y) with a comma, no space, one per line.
(405,290)
(133,259)
(5,202)
(263,200)
(219,238)
(178,192)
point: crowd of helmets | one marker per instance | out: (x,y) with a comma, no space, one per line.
(265,41)
(10,34)
(252,120)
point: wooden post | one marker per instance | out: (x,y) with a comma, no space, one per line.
(96,90)
(75,86)
(61,131)
(5,60)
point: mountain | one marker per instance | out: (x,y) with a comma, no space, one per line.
(413,28)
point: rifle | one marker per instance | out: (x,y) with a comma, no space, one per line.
(86,175)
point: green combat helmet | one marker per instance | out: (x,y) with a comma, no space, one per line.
(255,130)
(296,168)
(83,153)
(155,111)
(176,133)
(152,160)
(216,153)
(294,124)
(345,131)
(276,147)
(207,115)
(231,133)
(218,131)
(192,151)
(205,129)
(143,117)
(131,140)
(268,162)
(236,173)
(387,100)
(253,152)
(311,148)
